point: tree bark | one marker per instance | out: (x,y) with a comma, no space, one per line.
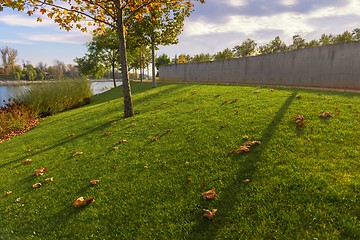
(113,73)
(153,62)
(128,106)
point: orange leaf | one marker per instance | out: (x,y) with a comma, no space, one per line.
(122,141)
(94,182)
(209,194)
(27,161)
(209,214)
(77,153)
(49,179)
(41,171)
(36,185)
(81,202)
(39,19)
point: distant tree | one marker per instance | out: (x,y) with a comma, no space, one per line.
(344,37)
(29,72)
(90,66)
(356,34)
(298,43)
(225,54)
(184,58)
(326,39)
(275,45)
(312,43)
(60,69)
(246,49)
(162,60)
(8,56)
(202,57)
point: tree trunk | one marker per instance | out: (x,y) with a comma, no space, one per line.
(141,66)
(128,106)
(153,62)
(113,73)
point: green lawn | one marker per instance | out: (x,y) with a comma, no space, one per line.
(305,182)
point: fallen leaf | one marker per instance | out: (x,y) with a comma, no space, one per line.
(210,194)
(257,91)
(30,149)
(115,148)
(77,153)
(81,202)
(71,134)
(154,139)
(271,90)
(94,182)
(325,115)
(245,137)
(17,200)
(146,167)
(41,171)
(251,143)
(299,120)
(27,161)
(113,123)
(49,179)
(209,214)
(107,133)
(7,193)
(234,100)
(246,181)
(189,179)
(122,141)
(242,149)
(187,163)
(36,185)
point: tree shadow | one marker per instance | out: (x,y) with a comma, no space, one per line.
(204,228)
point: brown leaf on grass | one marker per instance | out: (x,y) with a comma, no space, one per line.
(27,161)
(271,90)
(325,115)
(210,194)
(49,179)
(81,202)
(299,120)
(234,100)
(301,124)
(36,185)
(154,139)
(257,91)
(112,123)
(94,182)
(242,149)
(115,148)
(17,200)
(251,143)
(41,171)
(77,153)
(245,137)
(7,193)
(189,179)
(122,141)
(246,181)
(209,214)
(71,134)
(107,133)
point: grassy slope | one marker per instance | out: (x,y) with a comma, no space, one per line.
(305,182)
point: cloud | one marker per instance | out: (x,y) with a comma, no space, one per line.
(66,37)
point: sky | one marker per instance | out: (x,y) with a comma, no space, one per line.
(212,27)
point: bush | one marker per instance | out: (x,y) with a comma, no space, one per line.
(54,97)
(16,118)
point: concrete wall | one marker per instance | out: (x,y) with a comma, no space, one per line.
(332,66)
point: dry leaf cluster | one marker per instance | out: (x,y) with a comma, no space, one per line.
(211,194)
(325,115)
(81,202)
(299,120)
(246,147)
(209,214)
(27,161)
(77,153)
(94,182)
(39,172)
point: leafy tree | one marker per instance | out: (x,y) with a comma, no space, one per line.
(326,39)
(298,43)
(356,34)
(184,58)
(275,45)
(312,43)
(225,54)
(247,48)
(162,60)
(344,37)
(8,56)
(202,57)
(115,14)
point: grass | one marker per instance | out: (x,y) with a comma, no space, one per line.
(50,98)
(305,182)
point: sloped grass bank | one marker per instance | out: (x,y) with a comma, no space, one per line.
(304,182)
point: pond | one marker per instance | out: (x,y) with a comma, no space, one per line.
(7,92)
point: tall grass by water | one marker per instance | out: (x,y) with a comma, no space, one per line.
(54,97)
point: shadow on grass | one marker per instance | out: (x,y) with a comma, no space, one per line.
(205,229)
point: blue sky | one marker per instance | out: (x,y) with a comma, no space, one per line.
(212,27)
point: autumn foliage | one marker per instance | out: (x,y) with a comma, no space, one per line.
(16,118)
